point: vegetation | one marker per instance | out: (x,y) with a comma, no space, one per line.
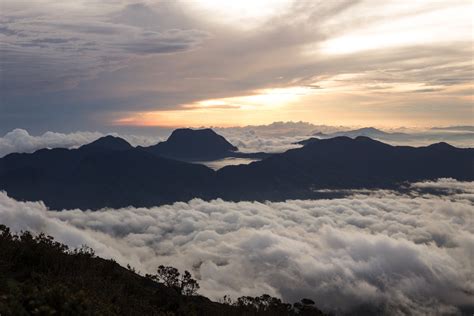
(169,276)
(39,276)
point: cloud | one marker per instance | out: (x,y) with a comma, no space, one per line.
(61,50)
(71,50)
(19,140)
(273,138)
(383,253)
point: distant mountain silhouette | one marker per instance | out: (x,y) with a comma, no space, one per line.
(366,131)
(344,163)
(319,134)
(370,132)
(466,128)
(108,142)
(457,134)
(94,176)
(198,145)
(188,144)
(107,176)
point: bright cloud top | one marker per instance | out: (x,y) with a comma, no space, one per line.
(387,253)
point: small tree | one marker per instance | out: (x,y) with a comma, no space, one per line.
(169,276)
(226,300)
(189,286)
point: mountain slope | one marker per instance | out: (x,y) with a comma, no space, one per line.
(39,276)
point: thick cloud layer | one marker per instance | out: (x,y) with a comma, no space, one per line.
(390,253)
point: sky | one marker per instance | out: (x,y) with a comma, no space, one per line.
(93,65)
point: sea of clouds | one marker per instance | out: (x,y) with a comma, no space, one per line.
(391,253)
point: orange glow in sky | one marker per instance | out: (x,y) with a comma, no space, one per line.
(340,100)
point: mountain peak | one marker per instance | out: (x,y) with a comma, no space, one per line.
(371,130)
(441,145)
(366,139)
(193,145)
(189,132)
(364,131)
(201,137)
(109,142)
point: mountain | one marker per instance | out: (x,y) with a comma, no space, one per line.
(306,141)
(366,131)
(460,135)
(108,142)
(101,174)
(198,145)
(343,163)
(188,144)
(103,177)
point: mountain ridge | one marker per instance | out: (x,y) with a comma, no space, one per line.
(105,177)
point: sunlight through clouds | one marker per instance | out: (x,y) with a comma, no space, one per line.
(231,109)
(234,63)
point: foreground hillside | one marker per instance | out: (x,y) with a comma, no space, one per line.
(39,276)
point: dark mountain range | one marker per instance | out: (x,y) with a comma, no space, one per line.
(107,173)
(455,134)
(101,174)
(198,145)
(344,163)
